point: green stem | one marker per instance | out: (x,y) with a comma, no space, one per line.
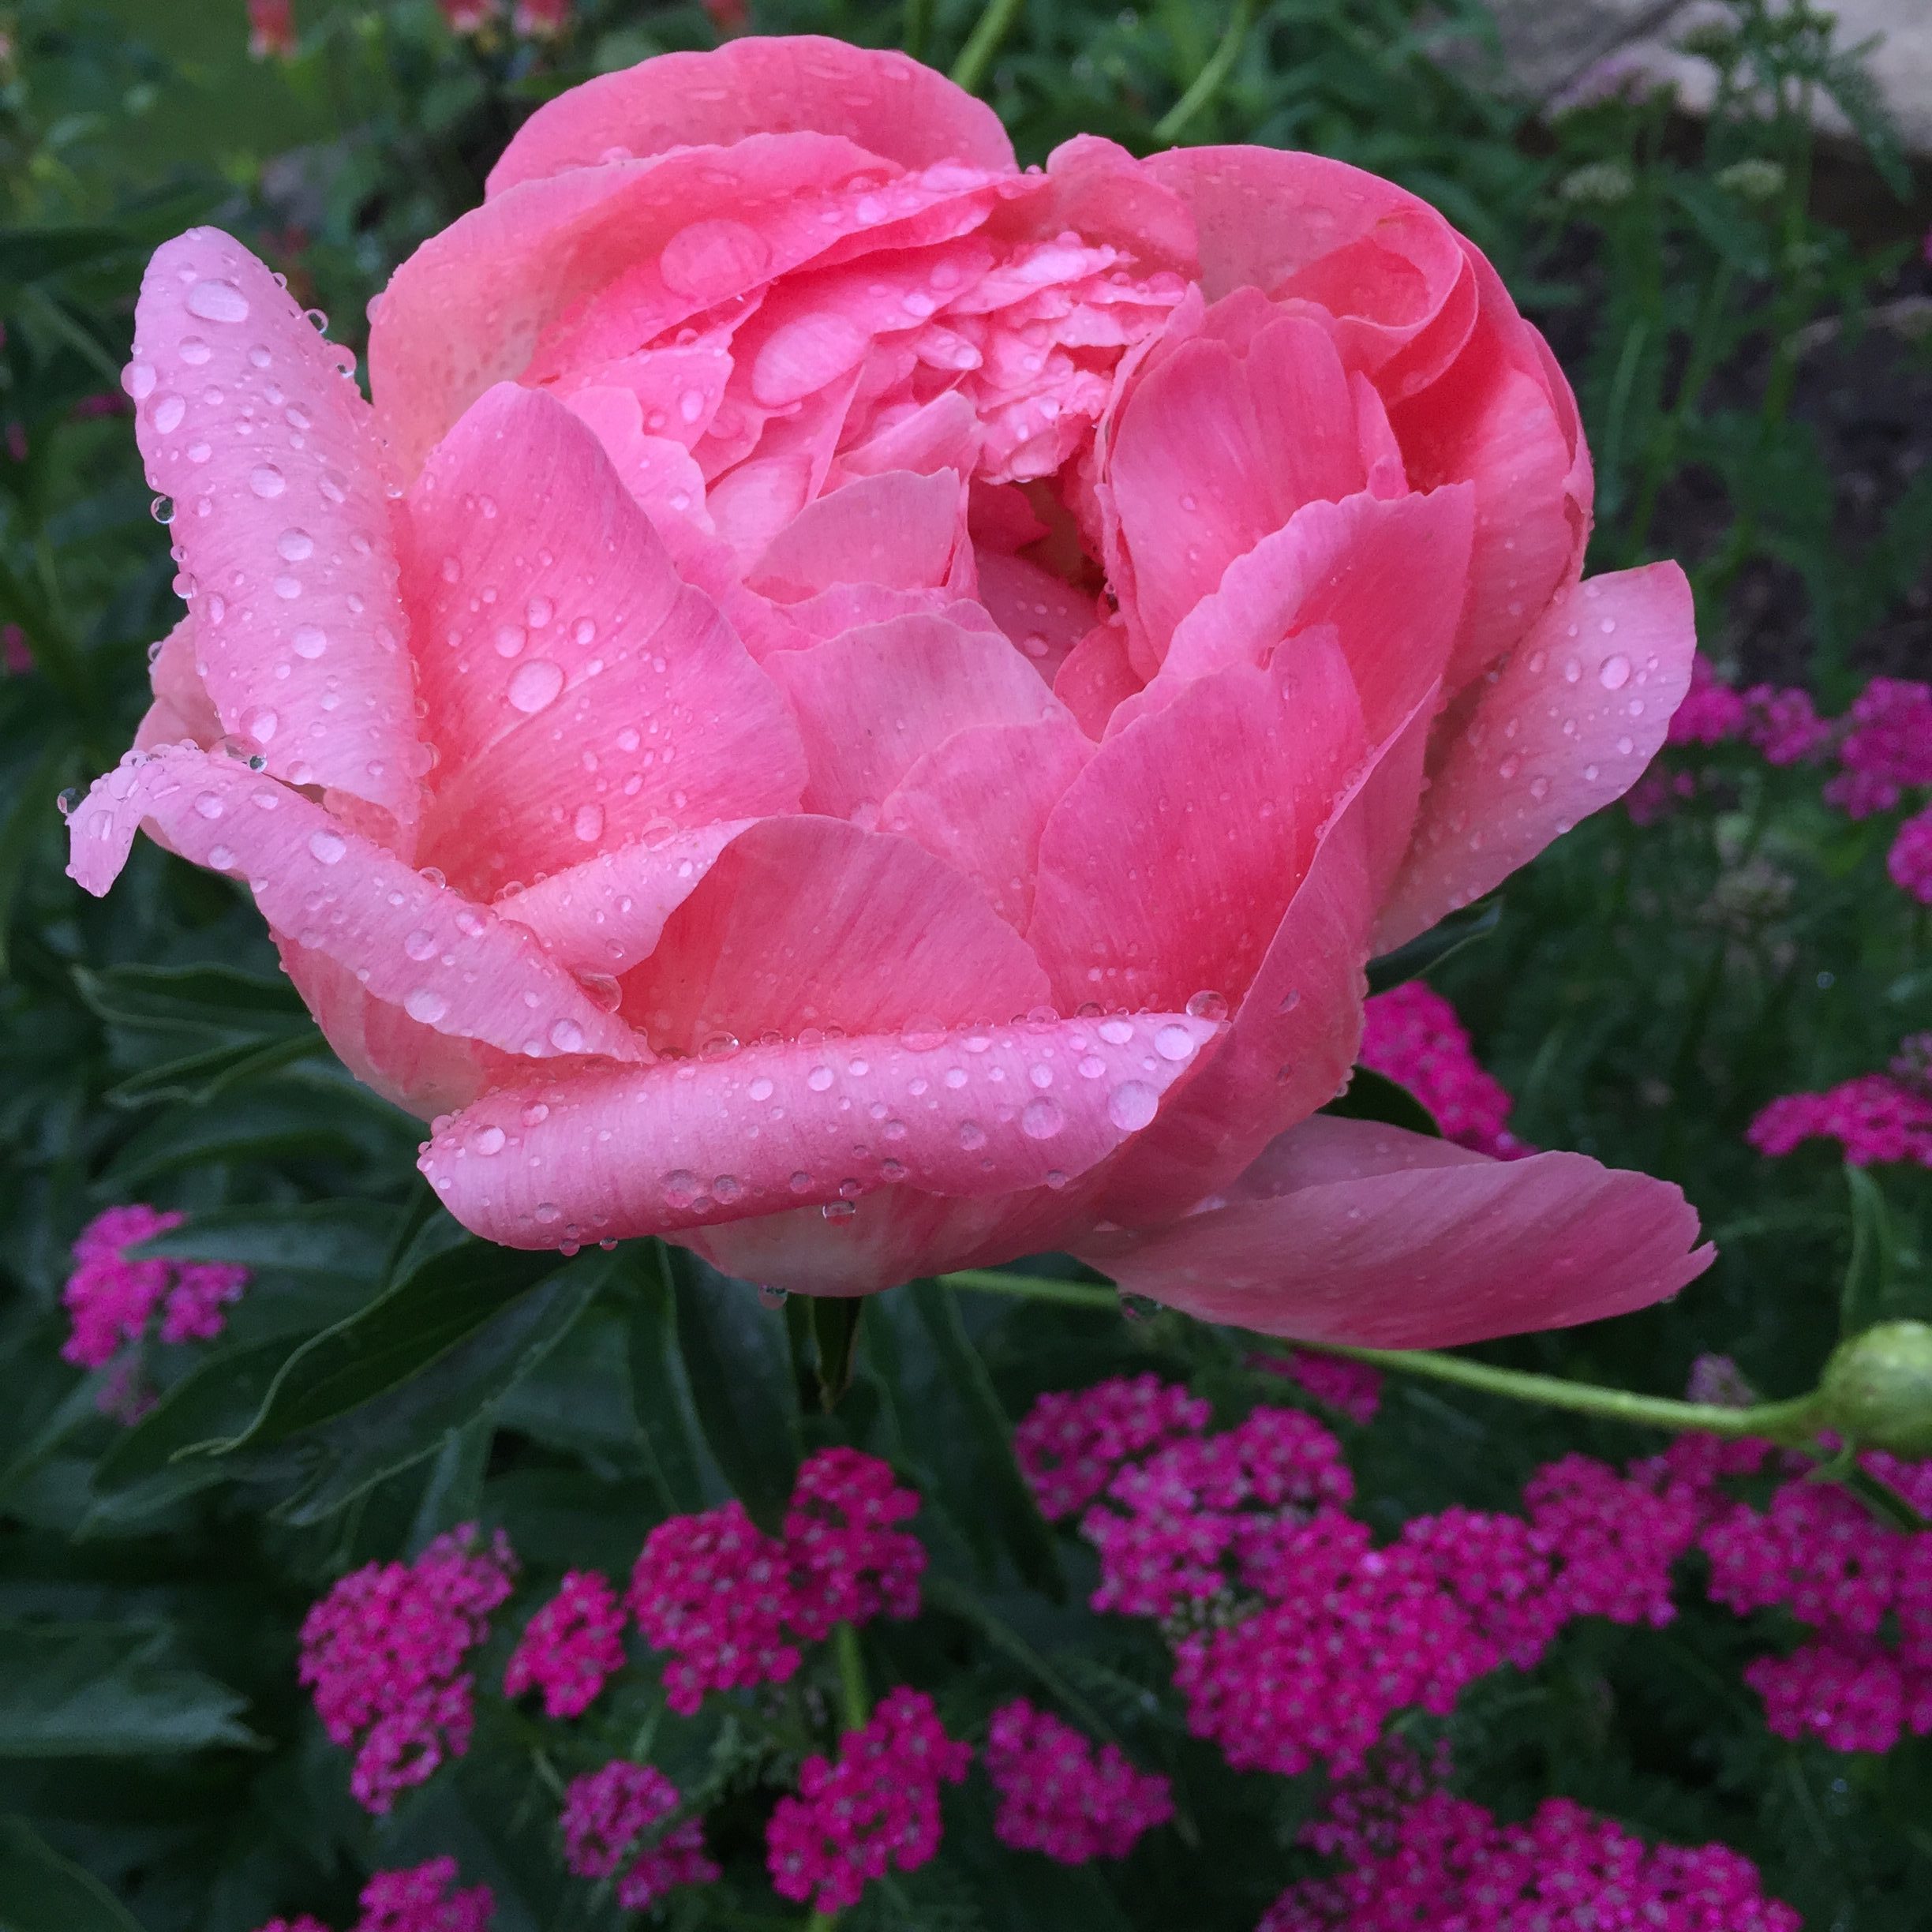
(976,56)
(1215,69)
(855,1699)
(1794,1421)
(917,21)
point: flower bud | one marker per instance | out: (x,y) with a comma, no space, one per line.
(1877,1388)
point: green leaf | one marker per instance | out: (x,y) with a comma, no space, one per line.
(981,1450)
(218,1395)
(200,1078)
(660,1396)
(328,1238)
(420,1416)
(218,998)
(835,1331)
(1862,1301)
(1374,1096)
(737,1364)
(1430,948)
(101,1690)
(42,1892)
(446,1300)
(291,1120)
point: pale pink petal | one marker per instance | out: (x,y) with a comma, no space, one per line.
(1214,448)
(898,529)
(871,702)
(1099,190)
(247,421)
(1167,865)
(854,606)
(605,915)
(689,1143)
(450,965)
(182,708)
(941,434)
(1350,1231)
(885,102)
(469,308)
(678,388)
(1043,615)
(664,480)
(980,799)
(552,630)
(1567,725)
(812,923)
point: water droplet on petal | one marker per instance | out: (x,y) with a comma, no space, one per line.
(168,412)
(425,1004)
(1208,1007)
(308,642)
(1132,1104)
(1174,1041)
(1041,1120)
(218,302)
(534,685)
(567,1036)
(488,1140)
(267,481)
(1614,672)
(771,1296)
(326,847)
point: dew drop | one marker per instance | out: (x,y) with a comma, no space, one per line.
(295,545)
(567,1036)
(1614,672)
(971,1136)
(308,642)
(425,1004)
(168,412)
(488,1140)
(328,848)
(534,685)
(1132,1104)
(267,481)
(218,302)
(1174,1041)
(1040,1120)
(819,1079)
(589,823)
(771,1296)
(259,723)
(1207,1006)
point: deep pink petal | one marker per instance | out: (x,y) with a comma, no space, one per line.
(1097,676)
(1043,615)
(980,799)
(1567,725)
(1350,1231)
(976,1113)
(899,528)
(871,702)
(450,965)
(885,101)
(812,923)
(553,630)
(1214,448)
(247,421)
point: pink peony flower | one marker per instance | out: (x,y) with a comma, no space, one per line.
(862,709)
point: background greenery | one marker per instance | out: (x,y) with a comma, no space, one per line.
(1727,295)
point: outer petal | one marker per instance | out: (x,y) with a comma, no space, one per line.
(1351,1231)
(811,923)
(451,966)
(248,420)
(982,1114)
(1567,725)
(553,630)
(181,709)
(762,84)
(870,703)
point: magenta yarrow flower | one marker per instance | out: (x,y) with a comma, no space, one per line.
(423,1899)
(607,1819)
(1782,723)
(1712,712)
(848,1563)
(1070,1444)
(571,1647)
(1875,1117)
(1061,1794)
(110,1298)
(1886,749)
(877,1805)
(1349,1388)
(1411,1034)
(382,1653)
(1910,860)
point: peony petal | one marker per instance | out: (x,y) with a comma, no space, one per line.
(899,528)
(605,915)
(181,710)
(553,631)
(469,308)
(1214,448)
(1350,1231)
(451,966)
(248,420)
(807,921)
(1165,870)
(1567,725)
(871,702)
(980,799)
(1097,676)
(1044,615)
(887,102)
(975,1114)
(664,480)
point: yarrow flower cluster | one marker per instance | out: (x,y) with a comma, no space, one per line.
(422,1898)
(1433,1863)
(1070,1444)
(1059,1795)
(110,1298)
(1349,1388)
(1910,860)
(879,1805)
(1876,1118)
(1886,749)
(731,1603)
(607,1819)
(383,1652)
(1411,1034)
(570,1647)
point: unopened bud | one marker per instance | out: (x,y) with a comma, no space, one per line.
(1877,1388)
